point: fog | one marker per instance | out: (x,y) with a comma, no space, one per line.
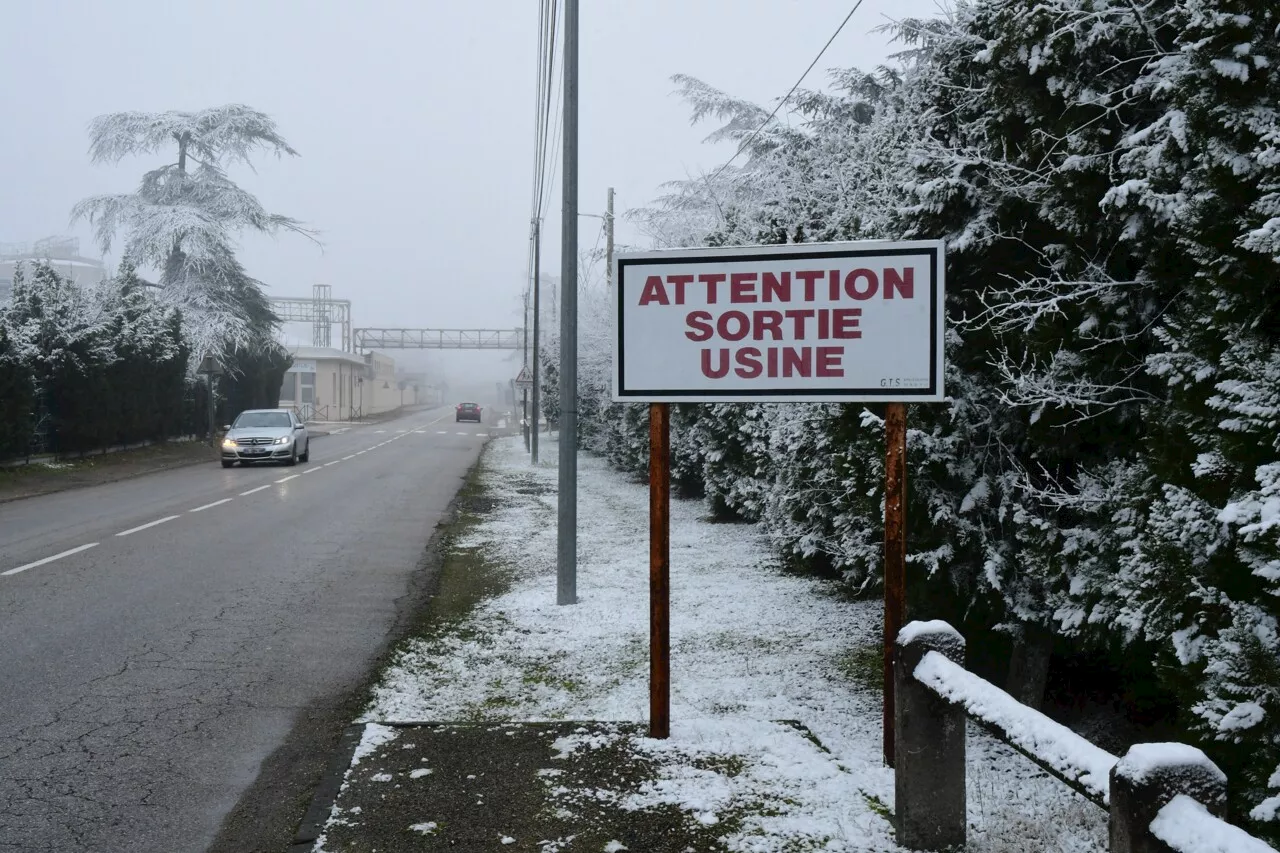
(414,122)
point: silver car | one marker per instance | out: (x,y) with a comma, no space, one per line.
(266,435)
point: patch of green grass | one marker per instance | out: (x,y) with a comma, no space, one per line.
(877,805)
(539,672)
(467,574)
(807,734)
(863,666)
(725,765)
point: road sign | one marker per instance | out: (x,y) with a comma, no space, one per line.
(804,323)
(819,321)
(525,380)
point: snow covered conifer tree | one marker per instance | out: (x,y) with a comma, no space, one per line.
(185,215)
(18,393)
(61,333)
(146,378)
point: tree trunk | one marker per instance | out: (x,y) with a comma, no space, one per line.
(1029,664)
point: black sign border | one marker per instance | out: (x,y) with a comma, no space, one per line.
(837,394)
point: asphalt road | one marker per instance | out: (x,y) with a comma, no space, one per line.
(159,637)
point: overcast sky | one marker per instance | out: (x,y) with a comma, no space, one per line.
(413,119)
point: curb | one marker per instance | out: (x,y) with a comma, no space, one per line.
(73,486)
(327,790)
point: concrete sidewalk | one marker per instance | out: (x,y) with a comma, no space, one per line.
(536,787)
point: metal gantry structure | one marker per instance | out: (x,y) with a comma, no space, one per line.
(492,339)
(321,310)
(324,312)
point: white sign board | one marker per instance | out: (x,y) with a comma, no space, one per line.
(809,322)
(524,379)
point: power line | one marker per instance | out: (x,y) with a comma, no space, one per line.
(769,118)
(548,18)
(555,147)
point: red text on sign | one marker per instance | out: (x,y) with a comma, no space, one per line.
(747,287)
(774,362)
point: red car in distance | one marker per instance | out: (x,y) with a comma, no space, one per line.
(468,412)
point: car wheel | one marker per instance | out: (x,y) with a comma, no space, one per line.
(306,453)
(293,456)
(226,463)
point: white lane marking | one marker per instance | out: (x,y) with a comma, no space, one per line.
(463,433)
(419,432)
(145,526)
(378,431)
(312,470)
(211,506)
(482,434)
(345,458)
(361,452)
(401,430)
(50,559)
(287,479)
(334,462)
(251,491)
(442,432)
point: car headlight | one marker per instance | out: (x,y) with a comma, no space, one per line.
(284,440)
(228,442)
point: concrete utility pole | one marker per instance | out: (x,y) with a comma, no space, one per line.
(567,528)
(608,242)
(524,392)
(537,325)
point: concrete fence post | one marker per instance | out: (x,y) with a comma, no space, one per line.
(1146,779)
(929,735)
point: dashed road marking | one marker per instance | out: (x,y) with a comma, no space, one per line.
(334,462)
(378,431)
(210,506)
(145,526)
(287,479)
(442,432)
(312,470)
(50,559)
(345,458)
(251,491)
(463,433)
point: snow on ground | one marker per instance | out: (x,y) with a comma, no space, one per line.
(751,646)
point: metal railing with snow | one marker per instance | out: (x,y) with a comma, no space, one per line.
(1160,796)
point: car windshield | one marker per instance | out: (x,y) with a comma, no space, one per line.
(470,406)
(262,419)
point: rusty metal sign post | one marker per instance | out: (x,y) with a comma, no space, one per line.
(895,552)
(815,322)
(659,570)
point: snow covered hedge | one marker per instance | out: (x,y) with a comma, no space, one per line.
(82,369)
(1107,177)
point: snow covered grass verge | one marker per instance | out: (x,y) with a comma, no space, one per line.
(751,646)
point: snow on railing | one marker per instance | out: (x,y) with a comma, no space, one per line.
(1064,752)
(1188,827)
(1160,796)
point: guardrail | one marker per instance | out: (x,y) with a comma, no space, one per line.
(1161,797)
